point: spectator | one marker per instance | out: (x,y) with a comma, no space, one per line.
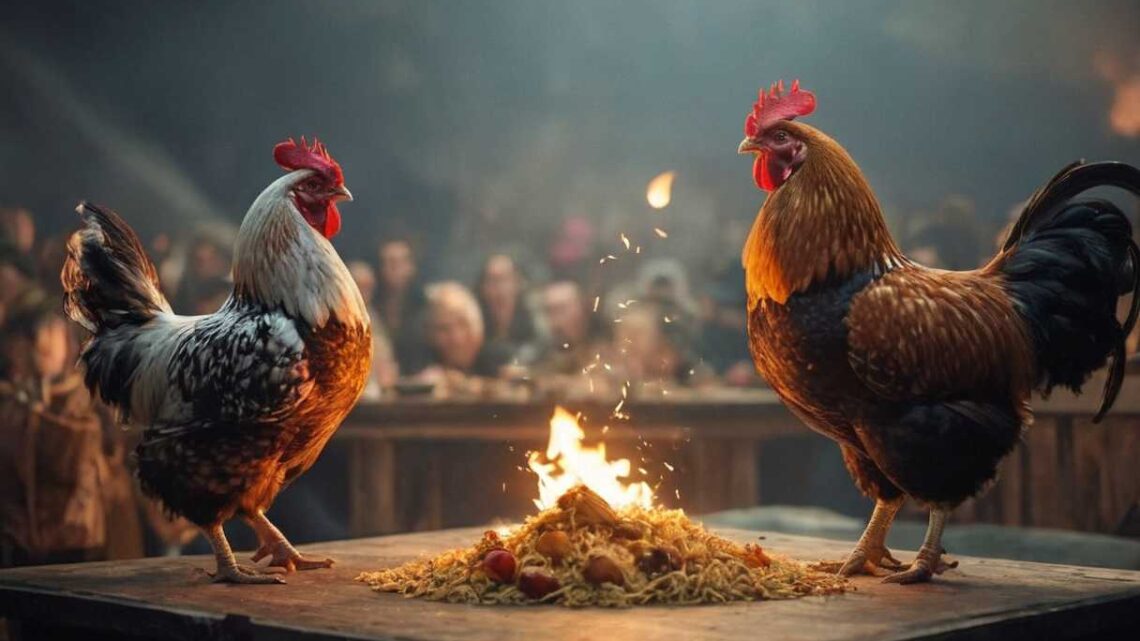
(19,229)
(509,326)
(52,463)
(573,334)
(17,273)
(207,263)
(210,296)
(385,370)
(400,303)
(456,332)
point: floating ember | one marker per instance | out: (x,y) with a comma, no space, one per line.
(598,540)
(660,190)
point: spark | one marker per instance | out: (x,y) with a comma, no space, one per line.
(624,240)
(597,299)
(667,465)
(661,232)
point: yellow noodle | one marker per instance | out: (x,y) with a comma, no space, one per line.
(714,569)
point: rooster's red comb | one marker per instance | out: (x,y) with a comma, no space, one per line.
(292,156)
(774,106)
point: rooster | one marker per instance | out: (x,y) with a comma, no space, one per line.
(923,376)
(237,404)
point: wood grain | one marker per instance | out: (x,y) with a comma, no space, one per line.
(173,599)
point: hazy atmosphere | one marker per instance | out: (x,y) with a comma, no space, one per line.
(492,121)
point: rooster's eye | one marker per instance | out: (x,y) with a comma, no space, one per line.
(781,136)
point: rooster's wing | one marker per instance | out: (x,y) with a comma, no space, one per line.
(919,334)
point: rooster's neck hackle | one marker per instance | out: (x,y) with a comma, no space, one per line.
(824,222)
(280,261)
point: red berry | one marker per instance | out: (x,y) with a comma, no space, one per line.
(500,566)
(536,583)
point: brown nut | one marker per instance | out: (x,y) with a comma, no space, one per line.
(500,566)
(657,561)
(603,569)
(536,583)
(554,545)
(588,507)
(628,530)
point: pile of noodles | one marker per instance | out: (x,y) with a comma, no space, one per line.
(711,569)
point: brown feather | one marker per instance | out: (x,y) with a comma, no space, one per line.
(797,239)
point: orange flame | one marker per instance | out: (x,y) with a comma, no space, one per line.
(568,464)
(660,190)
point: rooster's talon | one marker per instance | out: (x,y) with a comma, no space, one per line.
(287,558)
(244,575)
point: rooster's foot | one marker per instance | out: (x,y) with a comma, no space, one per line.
(283,555)
(925,566)
(243,574)
(872,560)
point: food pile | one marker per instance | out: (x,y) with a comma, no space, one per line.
(582,552)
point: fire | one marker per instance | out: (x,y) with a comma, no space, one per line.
(568,464)
(660,190)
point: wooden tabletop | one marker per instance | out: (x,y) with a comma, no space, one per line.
(173,599)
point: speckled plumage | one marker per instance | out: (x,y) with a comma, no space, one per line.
(236,404)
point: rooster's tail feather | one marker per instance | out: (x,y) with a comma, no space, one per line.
(1065,264)
(107,278)
(111,288)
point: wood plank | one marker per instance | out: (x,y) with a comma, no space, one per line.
(173,599)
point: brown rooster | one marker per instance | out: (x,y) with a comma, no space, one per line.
(236,404)
(923,376)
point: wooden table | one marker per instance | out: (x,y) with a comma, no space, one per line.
(173,599)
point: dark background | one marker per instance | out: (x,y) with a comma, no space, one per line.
(493,120)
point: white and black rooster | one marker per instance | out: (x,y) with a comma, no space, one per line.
(236,404)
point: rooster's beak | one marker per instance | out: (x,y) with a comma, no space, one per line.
(748,146)
(342,193)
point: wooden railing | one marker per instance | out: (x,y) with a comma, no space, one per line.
(426,464)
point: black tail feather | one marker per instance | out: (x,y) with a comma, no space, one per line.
(107,278)
(1066,263)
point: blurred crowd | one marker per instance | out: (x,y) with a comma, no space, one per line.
(566,325)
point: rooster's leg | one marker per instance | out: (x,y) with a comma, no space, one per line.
(929,560)
(282,553)
(228,569)
(871,555)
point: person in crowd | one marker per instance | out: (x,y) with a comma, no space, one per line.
(385,370)
(574,337)
(52,461)
(17,274)
(400,304)
(501,288)
(722,341)
(19,228)
(207,263)
(456,332)
(650,350)
(210,295)
(572,249)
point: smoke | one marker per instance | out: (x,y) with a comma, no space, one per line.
(51,98)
